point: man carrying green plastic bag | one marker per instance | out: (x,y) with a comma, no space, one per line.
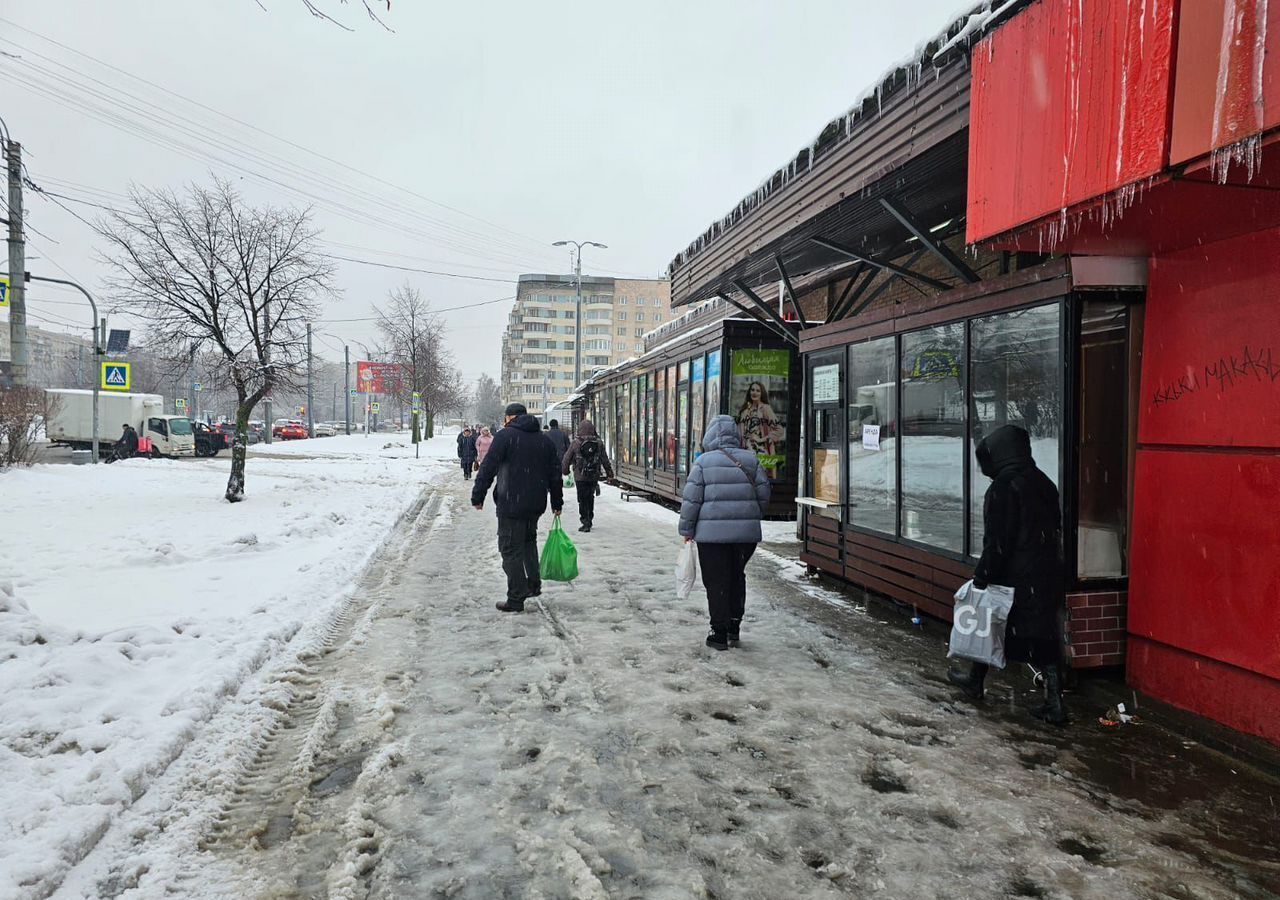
(524,464)
(559,556)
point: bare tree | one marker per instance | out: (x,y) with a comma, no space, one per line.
(23,414)
(415,339)
(207,272)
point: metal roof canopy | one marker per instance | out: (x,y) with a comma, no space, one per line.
(911,148)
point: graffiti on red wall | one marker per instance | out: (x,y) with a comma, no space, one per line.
(1224,373)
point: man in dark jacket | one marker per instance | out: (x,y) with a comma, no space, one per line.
(127,446)
(588,461)
(467,451)
(1022,549)
(558,438)
(526,467)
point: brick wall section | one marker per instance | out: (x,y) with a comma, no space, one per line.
(1096,629)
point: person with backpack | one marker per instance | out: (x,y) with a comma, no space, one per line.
(724,500)
(587,459)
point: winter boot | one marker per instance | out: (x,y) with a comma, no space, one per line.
(735,628)
(1053,710)
(510,606)
(718,640)
(971,684)
(585,526)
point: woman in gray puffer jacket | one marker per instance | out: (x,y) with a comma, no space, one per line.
(724,501)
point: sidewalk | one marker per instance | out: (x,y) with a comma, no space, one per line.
(593,747)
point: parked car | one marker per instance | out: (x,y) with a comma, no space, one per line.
(289,429)
(325,429)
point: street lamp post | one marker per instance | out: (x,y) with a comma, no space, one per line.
(577,326)
(98,350)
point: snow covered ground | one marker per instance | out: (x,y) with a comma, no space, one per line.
(134,602)
(424,745)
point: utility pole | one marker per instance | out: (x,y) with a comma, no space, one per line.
(311,417)
(545,373)
(17,268)
(346,383)
(193,408)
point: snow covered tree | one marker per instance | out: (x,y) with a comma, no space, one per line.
(488,401)
(206,272)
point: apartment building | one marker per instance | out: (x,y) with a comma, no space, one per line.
(541,337)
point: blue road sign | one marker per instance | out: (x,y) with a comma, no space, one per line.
(116,376)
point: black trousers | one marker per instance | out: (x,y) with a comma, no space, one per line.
(467,465)
(518,544)
(724,575)
(586,501)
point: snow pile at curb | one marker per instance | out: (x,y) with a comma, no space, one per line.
(134,602)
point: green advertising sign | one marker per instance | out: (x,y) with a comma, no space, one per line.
(761,362)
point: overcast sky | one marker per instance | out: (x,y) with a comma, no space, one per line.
(465,141)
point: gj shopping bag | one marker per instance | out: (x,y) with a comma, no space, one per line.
(559,561)
(978,623)
(686,570)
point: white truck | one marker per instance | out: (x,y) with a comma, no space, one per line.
(72,424)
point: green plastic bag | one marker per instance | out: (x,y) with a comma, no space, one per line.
(559,560)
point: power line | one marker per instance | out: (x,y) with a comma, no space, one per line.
(369,262)
(445,310)
(162,115)
(286,141)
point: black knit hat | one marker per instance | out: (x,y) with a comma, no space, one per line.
(516,409)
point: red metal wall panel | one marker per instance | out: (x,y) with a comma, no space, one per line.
(1227,85)
(1211,355)
(1205,573)
(1070,100)
(1240,699)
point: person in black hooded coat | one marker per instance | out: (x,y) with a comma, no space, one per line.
(1022,549)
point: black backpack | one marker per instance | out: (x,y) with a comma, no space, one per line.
(589,458)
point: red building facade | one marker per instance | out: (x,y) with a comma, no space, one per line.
(1146,130)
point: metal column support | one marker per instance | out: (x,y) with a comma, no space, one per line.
(755,314)
(791,294)
(850,295)
(896,209)
(883,286)
(880,263)
(766,308)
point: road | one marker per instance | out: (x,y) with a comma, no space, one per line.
(592,747)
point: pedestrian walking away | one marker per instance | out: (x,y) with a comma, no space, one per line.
(724,501)
(467,451)
(558,438)
(524,469)
(483,440)
(587,459)
(1022,549)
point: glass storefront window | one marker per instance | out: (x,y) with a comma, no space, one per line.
(713,387)
(873,435)
(1101,531)
(1015,378)
(669,422)
(932,424)
(697,417)
(652,395)
(682,419)
(759,401)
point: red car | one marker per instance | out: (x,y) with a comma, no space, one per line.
(290,430)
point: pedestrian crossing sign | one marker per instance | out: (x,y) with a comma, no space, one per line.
(375,406)
(116,376)
(4,292)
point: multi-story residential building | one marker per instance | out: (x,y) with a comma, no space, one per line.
(540,341)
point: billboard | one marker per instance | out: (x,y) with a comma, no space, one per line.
(759,400)
(377,377)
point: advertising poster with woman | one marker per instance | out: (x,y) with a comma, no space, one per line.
(758,403)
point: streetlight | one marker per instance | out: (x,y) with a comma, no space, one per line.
(97,328)
(577,326)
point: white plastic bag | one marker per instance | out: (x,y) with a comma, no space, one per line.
(686,570)
(978,623)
